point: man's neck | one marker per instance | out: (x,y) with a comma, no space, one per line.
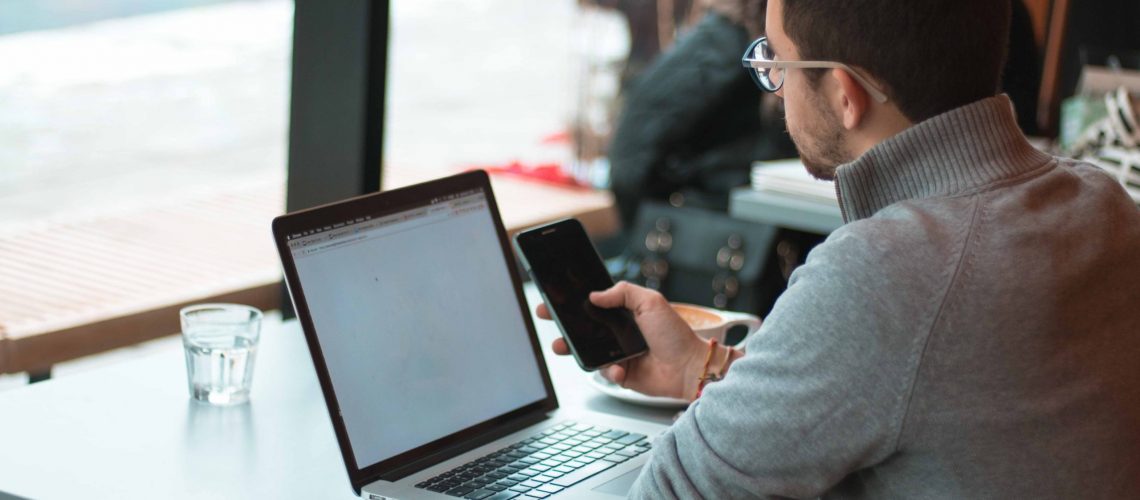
(882,122)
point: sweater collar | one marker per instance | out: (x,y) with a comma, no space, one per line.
(956,152)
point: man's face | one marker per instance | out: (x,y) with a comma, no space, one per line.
(814,126)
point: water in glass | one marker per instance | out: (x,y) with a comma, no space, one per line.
(220,367)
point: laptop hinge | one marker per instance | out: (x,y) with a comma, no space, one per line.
(467,445)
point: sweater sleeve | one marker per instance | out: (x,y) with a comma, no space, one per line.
(823,388)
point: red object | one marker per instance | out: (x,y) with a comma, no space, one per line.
(550,173)
(562,137)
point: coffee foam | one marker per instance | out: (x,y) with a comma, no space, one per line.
(697,318)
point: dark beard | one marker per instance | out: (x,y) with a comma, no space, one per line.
(822,163)
(828,151)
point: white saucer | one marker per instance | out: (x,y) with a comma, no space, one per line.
(611,389)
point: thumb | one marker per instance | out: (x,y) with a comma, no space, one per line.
(615,296)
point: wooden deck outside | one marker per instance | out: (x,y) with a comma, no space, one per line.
(82,287)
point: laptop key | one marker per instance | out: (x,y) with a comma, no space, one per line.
(550,488)
(518,477)
(630,438)
(615,458)
(479,494)
(496,487)
(502,495)
(582,474)
(520,488)
(458,492)
(439,488)
(615,434)
(537,494)
(530,484)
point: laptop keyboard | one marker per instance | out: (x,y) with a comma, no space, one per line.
(540,466)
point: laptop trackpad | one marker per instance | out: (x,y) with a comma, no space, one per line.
(620,485)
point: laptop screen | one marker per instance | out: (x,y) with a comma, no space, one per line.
(419,323)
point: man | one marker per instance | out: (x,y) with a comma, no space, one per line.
(973,331)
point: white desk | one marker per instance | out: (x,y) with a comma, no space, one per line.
(131,431)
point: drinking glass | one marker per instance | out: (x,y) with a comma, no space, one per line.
(220,341)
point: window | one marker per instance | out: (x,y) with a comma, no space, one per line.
(142,153)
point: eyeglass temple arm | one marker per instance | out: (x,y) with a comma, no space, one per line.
(871,88)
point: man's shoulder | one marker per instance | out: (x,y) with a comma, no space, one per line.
(909,230)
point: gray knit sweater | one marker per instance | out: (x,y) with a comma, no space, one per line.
(973,331)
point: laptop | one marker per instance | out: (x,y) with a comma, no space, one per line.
(423,343)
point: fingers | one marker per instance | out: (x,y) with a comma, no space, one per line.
(615,373)
(559,346)
(542,312)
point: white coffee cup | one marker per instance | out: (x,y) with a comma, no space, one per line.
(709,323)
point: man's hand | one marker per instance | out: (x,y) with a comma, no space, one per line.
(676,355)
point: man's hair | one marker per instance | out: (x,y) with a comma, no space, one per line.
(931,55)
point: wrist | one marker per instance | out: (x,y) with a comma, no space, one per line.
(694,367)
(709,364)
(732,355)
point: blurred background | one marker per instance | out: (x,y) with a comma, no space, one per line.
(145,144)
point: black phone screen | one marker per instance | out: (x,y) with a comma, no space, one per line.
(566,268)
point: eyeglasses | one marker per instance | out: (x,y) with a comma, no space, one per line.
(768,73)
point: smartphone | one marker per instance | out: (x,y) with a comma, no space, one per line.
(566,268)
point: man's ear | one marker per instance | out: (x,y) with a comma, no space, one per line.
(853,99)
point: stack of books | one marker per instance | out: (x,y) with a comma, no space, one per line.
(790,178)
